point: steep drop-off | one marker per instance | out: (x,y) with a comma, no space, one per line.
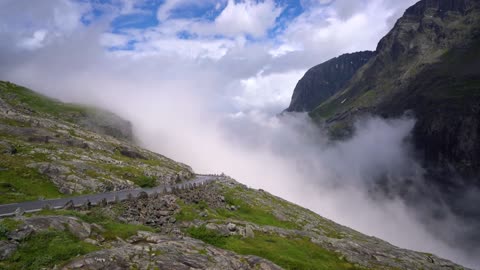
(325,80)
(428,65)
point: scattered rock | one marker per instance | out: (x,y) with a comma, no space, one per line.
(131,153)
(19,212)
(231,227)
(142,195)
(69,205)
(249,232)
(91,241)
(86,205)
(7,249)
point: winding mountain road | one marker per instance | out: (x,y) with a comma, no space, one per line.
(121,195)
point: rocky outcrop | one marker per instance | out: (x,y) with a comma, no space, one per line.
(325,80)
(7,249)
(107,123)
(30,226)
(149,251)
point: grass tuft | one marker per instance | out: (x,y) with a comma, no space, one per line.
(47,249)
(290,253)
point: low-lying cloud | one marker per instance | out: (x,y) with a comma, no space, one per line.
(292,158)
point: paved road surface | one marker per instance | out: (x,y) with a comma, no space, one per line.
(33,206)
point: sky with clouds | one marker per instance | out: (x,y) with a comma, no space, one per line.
(249,54)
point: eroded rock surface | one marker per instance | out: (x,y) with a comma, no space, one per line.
(149,250)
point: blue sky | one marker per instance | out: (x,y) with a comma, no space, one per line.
(145,15)
(142,15)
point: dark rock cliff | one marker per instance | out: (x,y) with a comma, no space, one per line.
(427,64)
(325,80)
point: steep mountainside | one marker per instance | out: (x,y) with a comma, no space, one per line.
(50,149)
(47,151)
(325,80)
(222,225)
(428,65)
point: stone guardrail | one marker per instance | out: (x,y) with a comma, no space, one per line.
(94,199)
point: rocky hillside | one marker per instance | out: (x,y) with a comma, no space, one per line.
(325,80)
(222,225)
(51,149)
(426,65)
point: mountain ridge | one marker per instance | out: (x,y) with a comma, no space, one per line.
(324,80)
(422,46)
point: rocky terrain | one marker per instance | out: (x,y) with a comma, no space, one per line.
(222,225)
(325,80)
(51,149)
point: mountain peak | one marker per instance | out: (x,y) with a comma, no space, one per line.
(440,6)
(324,80)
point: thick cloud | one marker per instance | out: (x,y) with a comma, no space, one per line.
(210,100)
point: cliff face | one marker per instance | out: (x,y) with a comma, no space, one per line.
(427,64)
(325,80)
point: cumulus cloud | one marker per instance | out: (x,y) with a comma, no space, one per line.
(353,26)
(249,17)
(211,101)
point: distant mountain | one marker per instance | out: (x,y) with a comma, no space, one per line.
(428,65)
(325,80)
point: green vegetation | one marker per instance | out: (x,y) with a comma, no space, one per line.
(190,212)
(47,249)
(208,236)
(255,214)
(20,183)
(16,95)
(113,228)
(145,181)
(249,209)
(259,214)
(289,253)
(15,123)
(7,225)
(325,110)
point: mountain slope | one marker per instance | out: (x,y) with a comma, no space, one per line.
(324,80)
(222,225)
(52,149)
(427,64)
